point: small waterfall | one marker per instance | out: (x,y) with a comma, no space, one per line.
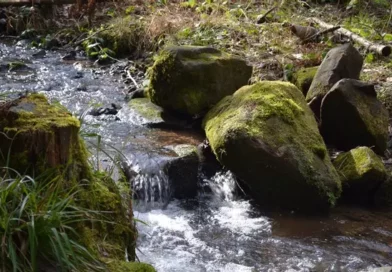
(223,186)
(150,185)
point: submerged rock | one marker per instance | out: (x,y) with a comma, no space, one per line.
(268,137)
(341,62)
(190,79)
(303,78)
(361,172)
(352,116)
(155,116)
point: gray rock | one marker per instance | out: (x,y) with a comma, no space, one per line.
(351,116)
(340,62)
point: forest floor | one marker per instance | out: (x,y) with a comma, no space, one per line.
(271,47)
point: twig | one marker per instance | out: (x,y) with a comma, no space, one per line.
(133,80)
(263,17)
(318,34)
(88,37)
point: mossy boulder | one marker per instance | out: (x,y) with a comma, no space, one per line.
(340,62)
(351,116)
(39,136)
(303,78)
(267,135)
(42,140)
(361,172)
(190,80)
(122,266)
(155,116)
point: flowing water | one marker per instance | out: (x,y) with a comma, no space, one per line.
(219,230)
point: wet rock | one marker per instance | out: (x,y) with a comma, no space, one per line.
(138,93)
(155,116)
(40,54)
(351,116)
(340,62)
(51,43)
(209,165)
(105,110)
(69,56)
(182,172)
(268,137)
(361,172)
(303,78)
(190,80)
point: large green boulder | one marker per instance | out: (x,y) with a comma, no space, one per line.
(361,172)
(267,135)
(190,79)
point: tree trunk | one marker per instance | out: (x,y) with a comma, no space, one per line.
(384,50)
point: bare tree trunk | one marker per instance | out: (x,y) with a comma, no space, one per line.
(384,50)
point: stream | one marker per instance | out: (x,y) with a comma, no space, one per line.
(219,230)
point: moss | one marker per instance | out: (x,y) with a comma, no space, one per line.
(276,114)
(356,163)
(43,132)
(46,139)
(121,266)
(183,150)
(362,172)
(303,78)
(146,109)
(191,79)
(124,35)
(115,233)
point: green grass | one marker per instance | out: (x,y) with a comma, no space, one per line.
(37,225)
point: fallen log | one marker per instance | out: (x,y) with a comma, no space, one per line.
(6,3)
(384,50)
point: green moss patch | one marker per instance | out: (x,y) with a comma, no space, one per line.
(361,172)
(303,78)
